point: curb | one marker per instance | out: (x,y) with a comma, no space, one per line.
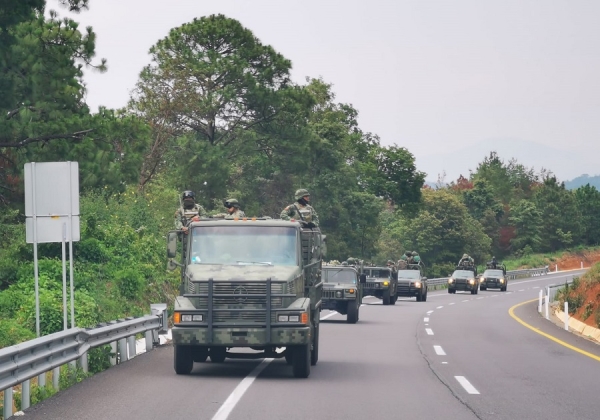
(576,326)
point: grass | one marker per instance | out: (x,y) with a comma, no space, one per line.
(541,260)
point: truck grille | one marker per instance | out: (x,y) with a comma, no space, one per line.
(371,285)
(403,287)
(240,295)
(329,294)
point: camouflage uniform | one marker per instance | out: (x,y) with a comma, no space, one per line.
(300,211)
(231,203)
(185,215)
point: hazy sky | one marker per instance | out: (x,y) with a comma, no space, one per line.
(433,76)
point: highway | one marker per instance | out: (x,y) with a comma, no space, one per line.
(457,356)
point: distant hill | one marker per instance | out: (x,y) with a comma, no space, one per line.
(565,164)
(582,180)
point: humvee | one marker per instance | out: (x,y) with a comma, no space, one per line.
(253,283)
(382,283)
(343,290)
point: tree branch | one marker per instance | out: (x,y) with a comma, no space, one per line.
(79,135)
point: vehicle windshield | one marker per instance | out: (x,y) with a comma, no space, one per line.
(493,273)
(244,245)
(463,274)
(339,275)
(409,274)
(379,273)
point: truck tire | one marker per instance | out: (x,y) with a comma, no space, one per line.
(473,291)
(386,297)
(200,354)
(288,355)
(314,352)
(183,361)
(301,361)
(393,299)
(218,354)
(353,309)
(420,297)
(424,298)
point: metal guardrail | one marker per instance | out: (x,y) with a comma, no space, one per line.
(21,362)
(433,284)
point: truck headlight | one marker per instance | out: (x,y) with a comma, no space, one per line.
(338,294)
(186,318)
(418,284)
(471,281)
(197,318)
(501,280)
(450,281)
(303,318)
(351,291)
(385,283)
(294,318)
(283,318)
(482,280)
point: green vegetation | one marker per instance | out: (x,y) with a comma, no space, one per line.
(583,293)
(215,111)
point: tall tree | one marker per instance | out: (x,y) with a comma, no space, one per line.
(588,203)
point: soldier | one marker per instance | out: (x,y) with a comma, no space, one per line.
(409,258)
(466,260)
(301,210)
(233,210)
(402,264)
(415,257)
(187,210)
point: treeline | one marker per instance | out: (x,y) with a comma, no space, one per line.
(215,111)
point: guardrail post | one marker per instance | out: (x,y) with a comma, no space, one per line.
(567,316)
(547,305)
(556,269)
(149,345)
(83,362)
(55,378)
(540,301)
(42,380)
(25,394)
(123,350)
(8,402)
(131,346)
(113,351)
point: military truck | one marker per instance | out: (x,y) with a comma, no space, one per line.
(412,282)
(253,283)
(343,290)
(464,278)
(494,277)
(381,283)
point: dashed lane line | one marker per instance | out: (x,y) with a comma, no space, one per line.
(429,312)
(425,319)
(429,331)
(467,385)
(511,312)
(439,350)
(439,307)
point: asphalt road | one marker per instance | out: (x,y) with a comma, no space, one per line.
(456,356)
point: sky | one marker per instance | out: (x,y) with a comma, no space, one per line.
(442,78)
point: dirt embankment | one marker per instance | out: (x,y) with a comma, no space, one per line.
(573,261)
(585,297)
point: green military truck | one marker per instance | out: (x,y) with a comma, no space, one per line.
(494,277)
(382,283)
(343,290)
(412,282)
(248,283)
(464,279)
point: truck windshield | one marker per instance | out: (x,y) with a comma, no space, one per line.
(379,274)
(409,274)
(244,245)
(463,274)
(493,273)
(339,275)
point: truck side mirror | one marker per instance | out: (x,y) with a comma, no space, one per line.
(171,244)
(363,278)
(171,265)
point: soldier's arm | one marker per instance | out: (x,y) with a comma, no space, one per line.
(202,211)
(315,217)
(285,214)
(178,224)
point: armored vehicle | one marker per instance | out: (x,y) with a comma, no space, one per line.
(382,283)
(494,277)
(464,278)
(343,290)
(412,282)
(248,283)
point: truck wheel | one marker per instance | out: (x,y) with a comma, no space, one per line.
(200,354)
(451,291)
(420,297)
(218,354)
(314,352)
(393,299)
(482,287)
(353,308)
(288,355)
(386,297)
(183,361)
(301,361)
(503,289)
(424,298)
(472,291)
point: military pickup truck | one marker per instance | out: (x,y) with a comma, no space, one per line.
(382,283)
(494,277)
(412,282)
(343,290)
(464,279)
(253,283)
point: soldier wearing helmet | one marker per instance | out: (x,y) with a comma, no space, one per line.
(233,210)
(466,260)
(188,208)
(415,257)
(301,210)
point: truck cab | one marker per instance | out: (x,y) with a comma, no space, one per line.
(382,283)
(343,290)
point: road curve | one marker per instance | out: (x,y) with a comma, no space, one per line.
(456,356)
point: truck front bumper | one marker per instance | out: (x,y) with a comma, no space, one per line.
(241,337)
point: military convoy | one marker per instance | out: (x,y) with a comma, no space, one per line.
(412,282)
(250,283)
(494,277)
(343,290)
(381,282)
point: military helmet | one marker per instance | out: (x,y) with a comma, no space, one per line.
(414,253)
(231,202)
(465,256)
(188,194)
(407,253)
(301,193)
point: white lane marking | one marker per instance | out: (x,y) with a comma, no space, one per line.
(239,391)
(444,363)
(439,307)
(479,298)
(328,316)
(466,385)
(466,300)
(494,295)
(429,331)
(425,319)
(426,324)
(521,290)
(439,350)
(429,312)
(535,287)
(508,293)
(451,303)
